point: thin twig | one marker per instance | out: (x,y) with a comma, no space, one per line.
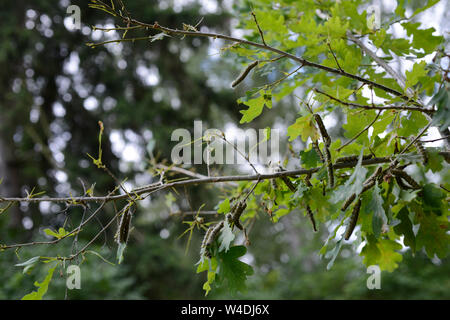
(360,133)
(334,56)
(259,29)
(434,140)
(416,138)
(372,107)
(239,152)
(200,213)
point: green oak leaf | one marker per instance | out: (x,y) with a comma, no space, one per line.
(442,100)
(309,159)
(277,215)
(42,287)
(382,123)
(422,7)
(356,121)
(305,127)
(232,271)
(209,265)
(376,206)
(378,37)
(255,106)
(432,235)
(412,124)
(432,198)
(422,38)
(60,234)
(418,71)
(381,252)
(224,206)
(405,228)
(435,161)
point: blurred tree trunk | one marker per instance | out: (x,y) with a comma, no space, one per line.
(10,186)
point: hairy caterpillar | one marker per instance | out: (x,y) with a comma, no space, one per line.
(308,208)
(421,150)
(348,202)
(353,220)
(374,176)
(369,185)
(229,218)
(316,148)
(288,183)
(286,180)
(203,249)
(352,158)
(401,184)
(210,236)
(403,175)
(236,213)
(244,74)
(311,217)
(124,227)
(326,138)
(329,164)
(273,184)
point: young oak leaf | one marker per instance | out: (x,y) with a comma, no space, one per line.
(382,252)
(60,234)
(303,126)
(255,106)
(224,206)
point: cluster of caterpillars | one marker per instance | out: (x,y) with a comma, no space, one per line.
(232,218)
(369,183)
(326,156)
(421,150)
(292,188)
(403,179)
(123,229)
